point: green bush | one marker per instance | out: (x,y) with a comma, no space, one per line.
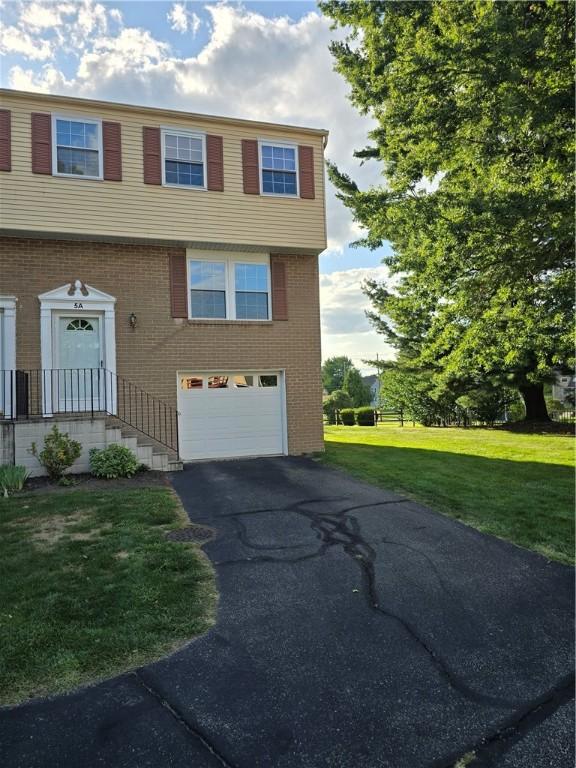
(335,402)
(347,417)
(58,454)
(12,478)
(365,417)
(113,461)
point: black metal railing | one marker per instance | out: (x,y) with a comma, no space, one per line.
(65,391)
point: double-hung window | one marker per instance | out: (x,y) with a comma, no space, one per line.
(229,288)
(279,164)
(77,147)
(251,291)
(184,159)
(207,289)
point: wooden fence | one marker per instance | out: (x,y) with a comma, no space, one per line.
(463,419)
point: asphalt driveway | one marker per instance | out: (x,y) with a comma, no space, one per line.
(356,629)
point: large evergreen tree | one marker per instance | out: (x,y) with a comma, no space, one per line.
(333,372)
(474,109)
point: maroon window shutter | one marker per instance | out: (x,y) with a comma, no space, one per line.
(306,172)
(5,140)
(250,169)
(279,289)
(178,285)
(41,143)
(215,162)
(152,156)
(112,144)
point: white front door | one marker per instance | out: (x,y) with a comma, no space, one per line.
(79,356)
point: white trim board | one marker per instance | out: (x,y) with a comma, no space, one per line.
(8,351)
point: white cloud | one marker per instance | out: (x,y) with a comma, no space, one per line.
(182,20)
(345,327)
(40,16)
(14,40)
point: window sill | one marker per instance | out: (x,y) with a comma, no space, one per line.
(77,176)
(185,186)
(251,323)
(284,196)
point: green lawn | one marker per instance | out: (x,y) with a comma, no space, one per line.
(516,486)
(89,587)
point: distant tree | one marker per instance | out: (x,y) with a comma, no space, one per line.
(333,372)
(336,402)
(473,104)
(489,403)
(357,388)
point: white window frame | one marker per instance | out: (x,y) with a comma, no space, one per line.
(174,131)
(77,119)
(230,260)
(284,144)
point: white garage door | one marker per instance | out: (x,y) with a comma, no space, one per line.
(227,414)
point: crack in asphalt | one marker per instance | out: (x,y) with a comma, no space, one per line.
(341,529)
(491,748)
(181,720)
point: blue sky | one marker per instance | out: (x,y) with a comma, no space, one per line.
(261,60)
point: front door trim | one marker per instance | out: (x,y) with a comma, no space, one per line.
(76,298)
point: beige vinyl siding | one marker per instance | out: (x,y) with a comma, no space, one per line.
(32,203)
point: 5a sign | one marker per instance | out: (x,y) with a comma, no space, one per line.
(78,305)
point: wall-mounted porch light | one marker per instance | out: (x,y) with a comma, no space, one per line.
(133,320)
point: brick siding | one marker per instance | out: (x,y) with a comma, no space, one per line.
(150,355)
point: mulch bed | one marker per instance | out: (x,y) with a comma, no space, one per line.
(86,482)
(539,427)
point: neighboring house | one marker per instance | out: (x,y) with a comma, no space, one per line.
(374,383)
(563,388)
(159,267)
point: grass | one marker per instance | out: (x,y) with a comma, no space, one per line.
(515,486)
(90,587)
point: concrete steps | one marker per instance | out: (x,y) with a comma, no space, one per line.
(149,452)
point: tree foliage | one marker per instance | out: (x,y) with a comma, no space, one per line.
(333,372)
(336,401)
(418,397)
(357,388)
(474,108)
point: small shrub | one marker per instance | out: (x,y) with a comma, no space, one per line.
(12,478)
(334,402)
(66,481)
(113,461)
(365,417)
(58,454)
(347,417)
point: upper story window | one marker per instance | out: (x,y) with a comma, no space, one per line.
(229,288)
(77,147)
(184,159)
(279,169)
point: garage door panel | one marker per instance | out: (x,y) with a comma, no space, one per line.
(230,422)
(209,424)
